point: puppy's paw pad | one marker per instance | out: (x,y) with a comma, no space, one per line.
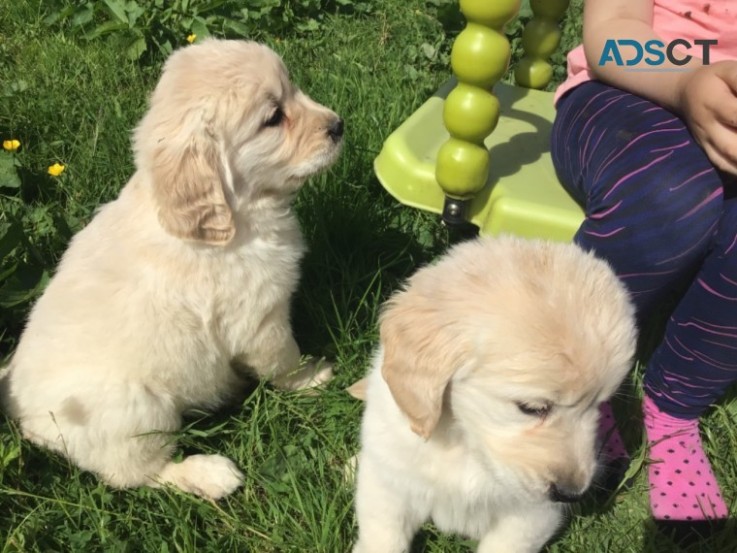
(209,476)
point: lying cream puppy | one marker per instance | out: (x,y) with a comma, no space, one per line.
(482,402)
(186,275)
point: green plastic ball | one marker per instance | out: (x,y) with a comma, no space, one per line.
(494,13)
(480,56)
(533,73)
(550,9)
(461,168)
(470,113)
(540,38)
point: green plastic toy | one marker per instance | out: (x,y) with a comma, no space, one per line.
(478,151)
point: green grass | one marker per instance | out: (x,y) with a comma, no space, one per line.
(75,101)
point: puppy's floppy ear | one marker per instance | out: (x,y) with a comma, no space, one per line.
(422,351)
(188,186)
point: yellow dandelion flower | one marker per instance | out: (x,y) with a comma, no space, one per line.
(11,145)
(191,38)
(56,169)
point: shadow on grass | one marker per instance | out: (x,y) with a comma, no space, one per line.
(688,538)
(361,247)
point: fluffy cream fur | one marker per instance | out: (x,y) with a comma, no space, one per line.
(482,402)
(187,274)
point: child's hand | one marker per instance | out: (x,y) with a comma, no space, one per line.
(708,103)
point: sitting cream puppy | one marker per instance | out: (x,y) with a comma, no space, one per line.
(482,402)
(184,280)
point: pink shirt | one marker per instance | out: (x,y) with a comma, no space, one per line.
(686,19)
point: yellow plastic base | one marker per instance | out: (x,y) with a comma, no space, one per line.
(522,195)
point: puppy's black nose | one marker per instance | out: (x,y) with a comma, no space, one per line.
(562,495)
(335,130)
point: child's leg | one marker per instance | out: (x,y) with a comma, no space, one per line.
(652,198)
(689,371)
(653,201)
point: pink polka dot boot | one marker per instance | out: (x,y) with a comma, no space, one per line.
(682,484)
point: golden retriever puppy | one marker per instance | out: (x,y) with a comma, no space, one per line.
(187,274)
(482,402)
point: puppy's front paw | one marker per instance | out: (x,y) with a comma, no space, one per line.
(209,476)
(311,373)
(321,373)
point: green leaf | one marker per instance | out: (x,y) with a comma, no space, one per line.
(134,12)
(13,87)
(237,27)
(23,286)
(199,27)
(83,16)
(309,26)
(58,15)
(6,272)
(105,28)
(8,171)
(11,238)
(429,50)
(9,454)
(210,6)
(61,226)
(117,9)
(165,47)
(136,48)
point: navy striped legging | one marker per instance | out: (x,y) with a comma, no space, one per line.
(666,220)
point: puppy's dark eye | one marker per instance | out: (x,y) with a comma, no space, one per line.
(275,118)
(539,411)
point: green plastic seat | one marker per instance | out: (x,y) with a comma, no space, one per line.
(521,196)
